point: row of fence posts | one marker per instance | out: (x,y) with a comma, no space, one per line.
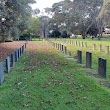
(76,43)
(10,62)
(101,63)
(107,51)
(59,46)
(84,44)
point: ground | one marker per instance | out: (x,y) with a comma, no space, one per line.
(7,48)
(43,79)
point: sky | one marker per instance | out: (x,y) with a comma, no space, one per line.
(44,3)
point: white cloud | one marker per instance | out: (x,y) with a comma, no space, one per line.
(44,3)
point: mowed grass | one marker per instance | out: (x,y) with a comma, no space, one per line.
(44,80)
(95,53)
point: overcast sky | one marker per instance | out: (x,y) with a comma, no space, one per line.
(44,3)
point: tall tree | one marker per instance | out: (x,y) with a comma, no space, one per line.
(34,26)
(104,14)
(75,16)
(44,25)
(15,17)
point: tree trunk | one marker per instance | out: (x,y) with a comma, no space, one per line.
(83,36)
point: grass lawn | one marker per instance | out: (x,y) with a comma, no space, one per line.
(44,80)
(95,53)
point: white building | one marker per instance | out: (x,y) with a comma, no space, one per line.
(107,31)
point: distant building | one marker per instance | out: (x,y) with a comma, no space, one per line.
(107,31)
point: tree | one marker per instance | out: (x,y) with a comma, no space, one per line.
(104,15)
(44,25)
(93,30)
(33,29)
(75,16)
(55,34)
(34,26)
(14,19)
(64,34)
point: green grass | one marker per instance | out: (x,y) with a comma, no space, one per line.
(104,37)
(44,80)
(95,53)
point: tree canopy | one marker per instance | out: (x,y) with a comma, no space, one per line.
(75,16)
(14,17)
(85,17)
(34,26)
(104,14)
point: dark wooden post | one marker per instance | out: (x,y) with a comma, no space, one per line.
(7,64)
(102,67)
(62,47)
(58,46)
(25,45)
(1,73)
(88,59)
(22,49)
(16,55)
(79,53)
(12,59)
(65,49)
